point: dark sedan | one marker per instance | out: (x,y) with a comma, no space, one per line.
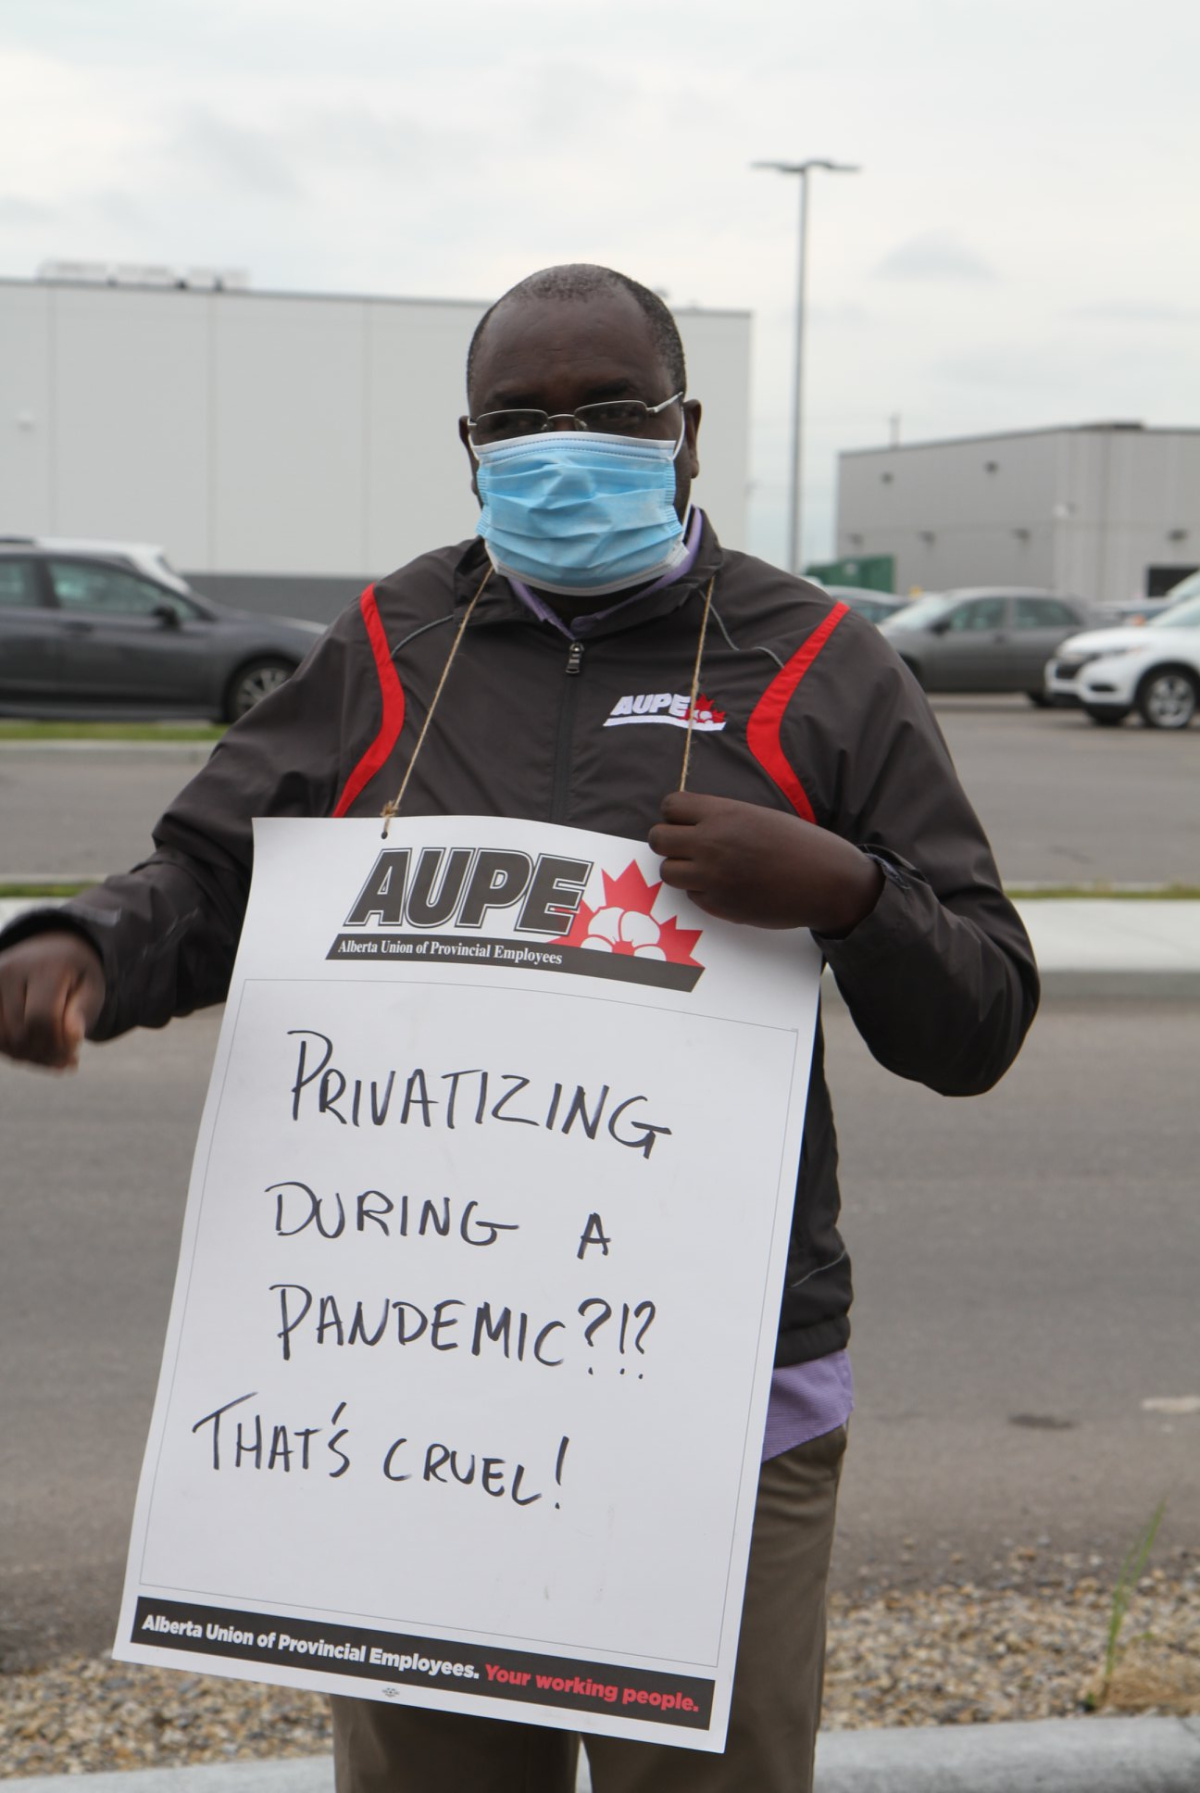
(94,629)
(876,606)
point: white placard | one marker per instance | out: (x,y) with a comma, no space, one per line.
(464,1387)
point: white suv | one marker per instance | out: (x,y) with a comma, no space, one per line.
(1154,669)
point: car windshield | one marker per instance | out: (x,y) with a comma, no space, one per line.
(1179,616)
(1188,587)
(918,615)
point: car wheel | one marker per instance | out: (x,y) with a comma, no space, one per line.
(252,682)
(916,671)
(1038,699)
(1167,697)
(1108,716)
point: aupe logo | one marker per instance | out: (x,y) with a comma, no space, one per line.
(534,911)
(669,707)
(461,886)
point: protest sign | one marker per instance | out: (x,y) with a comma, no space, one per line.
(463,1393)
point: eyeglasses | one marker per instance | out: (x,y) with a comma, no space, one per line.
(615,417)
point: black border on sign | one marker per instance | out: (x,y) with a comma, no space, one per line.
(462,1668)
(390,946)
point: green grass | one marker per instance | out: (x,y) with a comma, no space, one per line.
(27,893)
(1109,893)
(1127,1580)
(15,729)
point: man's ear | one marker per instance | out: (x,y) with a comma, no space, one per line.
(464,436)
(691,430)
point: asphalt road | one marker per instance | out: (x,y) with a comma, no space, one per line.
(1062,800)
(1065,802)
(1026,1268)
(85,809)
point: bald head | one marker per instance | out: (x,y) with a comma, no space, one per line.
(576,336)
(582,283)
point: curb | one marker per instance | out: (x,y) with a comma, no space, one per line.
(1057,1755)
(1100,983)
(1121,984)
(306,1774)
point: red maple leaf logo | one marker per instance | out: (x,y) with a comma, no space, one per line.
(705,704)
(624,923)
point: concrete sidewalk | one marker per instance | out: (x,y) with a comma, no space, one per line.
(1095,947)
(1066,1755)
(1125,946)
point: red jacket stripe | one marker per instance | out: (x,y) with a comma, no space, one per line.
(391,693)
(766,719)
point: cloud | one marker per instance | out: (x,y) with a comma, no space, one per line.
(1134,313)
(1029,366)
(935,255)
(113,206)
(231,156)
(592,97)
(846,313)
(21,212)
(390,149)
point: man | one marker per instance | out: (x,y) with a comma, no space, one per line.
(479,680)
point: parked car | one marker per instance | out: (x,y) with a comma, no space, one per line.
(101,628)
(1188,587)
(876,606)
(1153,668)
(994,638)
(1135,610)
(1140,610)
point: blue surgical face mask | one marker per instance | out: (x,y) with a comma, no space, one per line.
(580,513)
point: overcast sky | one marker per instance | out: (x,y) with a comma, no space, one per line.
(1020,248)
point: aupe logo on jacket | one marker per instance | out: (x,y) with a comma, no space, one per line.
(670,707)
(435,903)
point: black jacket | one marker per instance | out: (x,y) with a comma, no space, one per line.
(808,710)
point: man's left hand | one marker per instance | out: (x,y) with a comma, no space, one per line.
(748,864)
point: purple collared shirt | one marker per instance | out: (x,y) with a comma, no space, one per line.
(807,1399)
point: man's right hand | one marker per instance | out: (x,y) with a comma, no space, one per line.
(51,991)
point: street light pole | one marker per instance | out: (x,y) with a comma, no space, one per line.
(795,487)
(795,494)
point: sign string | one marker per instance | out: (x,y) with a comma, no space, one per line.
(392,809)
(687,741)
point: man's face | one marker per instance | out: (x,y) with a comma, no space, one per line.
(554,355)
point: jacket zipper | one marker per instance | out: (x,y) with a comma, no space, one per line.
(566,731)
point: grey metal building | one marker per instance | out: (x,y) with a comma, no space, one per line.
(282,447)
(1107,511)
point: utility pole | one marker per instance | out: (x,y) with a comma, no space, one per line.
(795,494)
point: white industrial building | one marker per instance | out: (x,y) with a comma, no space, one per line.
(282,447)
(1107,511)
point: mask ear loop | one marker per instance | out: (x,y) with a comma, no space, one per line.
(687,743)
(392,809)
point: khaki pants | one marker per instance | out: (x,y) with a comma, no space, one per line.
(776,1692)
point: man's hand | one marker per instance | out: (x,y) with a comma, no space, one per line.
(51,991)
(748,864)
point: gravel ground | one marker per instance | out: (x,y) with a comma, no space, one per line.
(950,1655)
